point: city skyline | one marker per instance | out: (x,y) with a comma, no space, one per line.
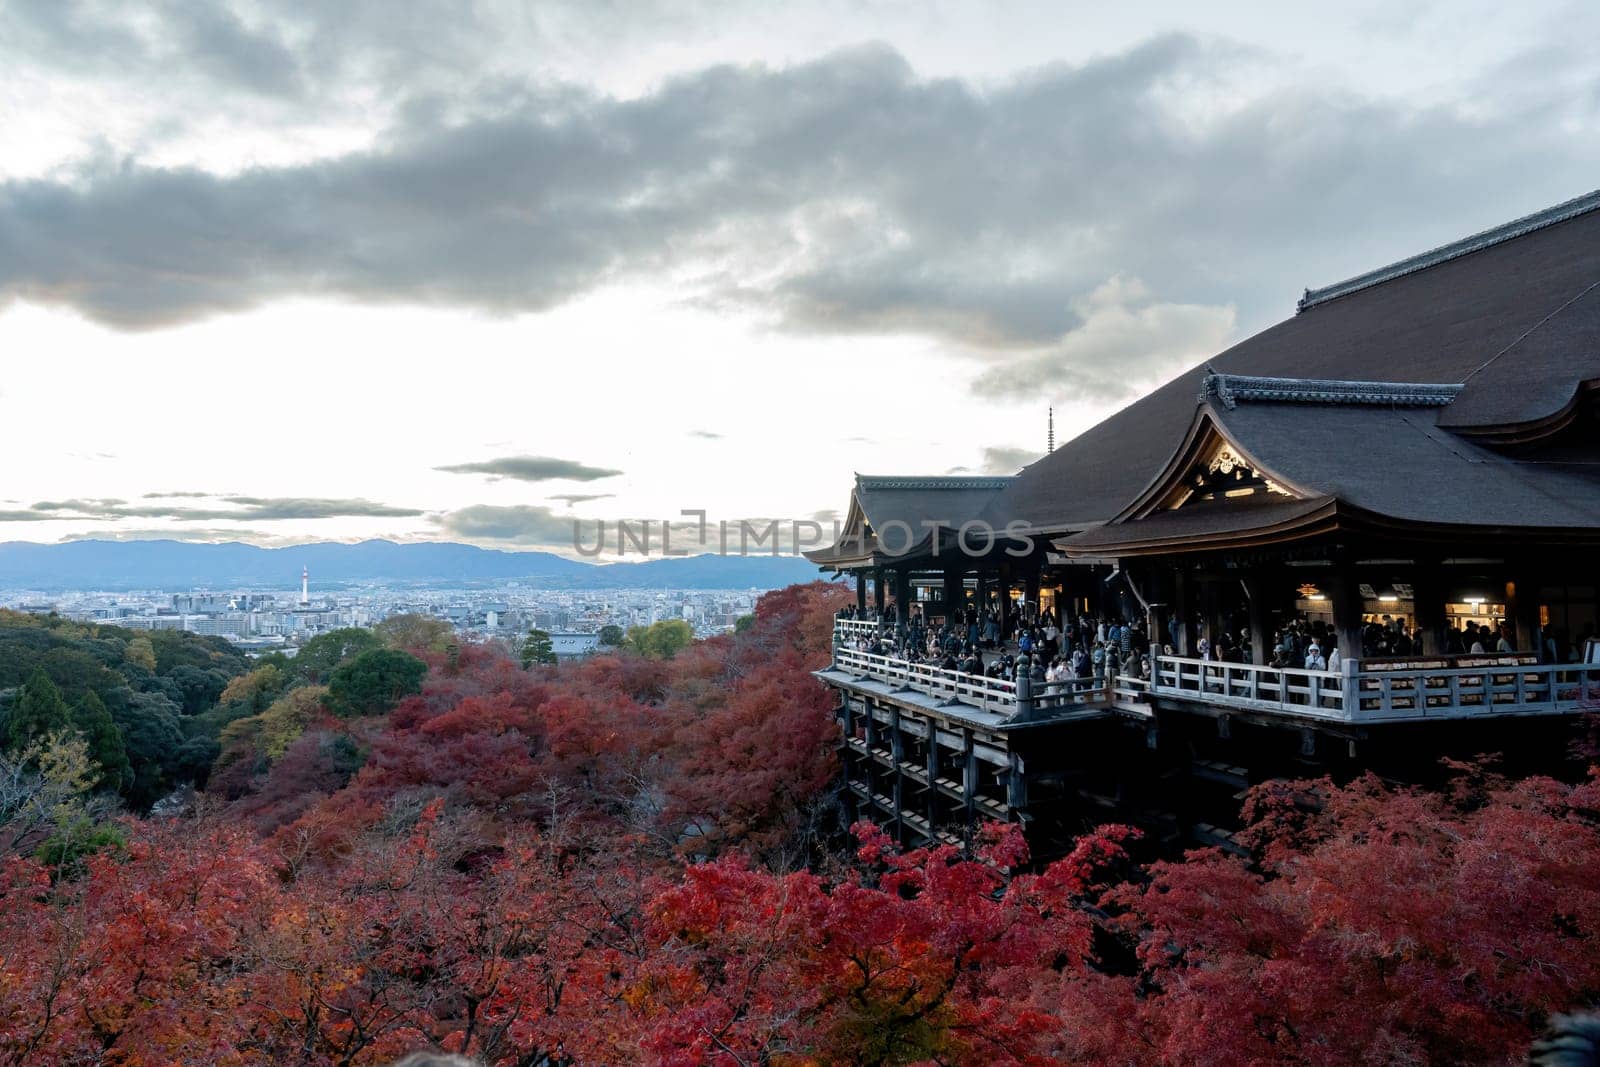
(313,282)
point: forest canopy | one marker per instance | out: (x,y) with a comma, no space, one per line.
(638,858)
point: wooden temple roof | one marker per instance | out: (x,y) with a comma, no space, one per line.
(1454,391)
(907,504)
(1499,336)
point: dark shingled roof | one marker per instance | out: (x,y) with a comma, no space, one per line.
(1515,319)
(1217,521)
(912,500)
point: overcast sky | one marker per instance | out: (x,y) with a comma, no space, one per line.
(425,269)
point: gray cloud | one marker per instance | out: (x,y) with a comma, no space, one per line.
(27,516)
(246,509)
(526,524)
(1078,231)
(1004,460)
(580,498)
(1000,460)
(706,435)
(181,495)
(540,527)
(532,469)
(187,533)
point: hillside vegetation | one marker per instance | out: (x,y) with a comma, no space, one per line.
(405,844)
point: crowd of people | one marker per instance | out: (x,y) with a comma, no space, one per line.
(1083,652)
(1087,651)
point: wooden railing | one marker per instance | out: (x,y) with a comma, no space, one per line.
(1448,689)
(1319,694)
(997,695)
(858,628)
(990,694)
(1443,688)
(1473,690)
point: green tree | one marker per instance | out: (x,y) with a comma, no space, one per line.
(200,687)
(141,653)
(743,623)
(661,640)
(39,712)
(274,730)
(412,631)
(611,635)
(374,682)
(67,771)
(152,734)
(104,739)
(538,648)
(319,656)
(254,692)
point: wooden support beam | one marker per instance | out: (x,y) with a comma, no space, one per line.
(1016,785)
(969,786)
(897,753)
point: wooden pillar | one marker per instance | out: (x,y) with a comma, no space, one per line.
(1005,599)
(954,598)
(1346,593)
(1522,608)
(847,755)
(1030,588)
(1016,785)
(969,785)
(1427,591)
(983,590)
(1210,612)
(861,593)
(897,753)
(931,794)
(1255,590)
(1183,608)
(902,597)
(877,590)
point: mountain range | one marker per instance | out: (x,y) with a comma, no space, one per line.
(94,564)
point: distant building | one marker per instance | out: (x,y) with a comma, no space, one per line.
(574,646)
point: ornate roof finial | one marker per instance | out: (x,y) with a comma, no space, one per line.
(1050,440)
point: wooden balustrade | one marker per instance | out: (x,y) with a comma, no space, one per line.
(1382,692)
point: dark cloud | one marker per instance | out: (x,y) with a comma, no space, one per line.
(532,469)
(580,498)
(246,509)
(1081,230)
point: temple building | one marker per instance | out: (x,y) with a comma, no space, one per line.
(1407,471)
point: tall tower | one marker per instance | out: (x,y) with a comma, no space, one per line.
(305,587)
